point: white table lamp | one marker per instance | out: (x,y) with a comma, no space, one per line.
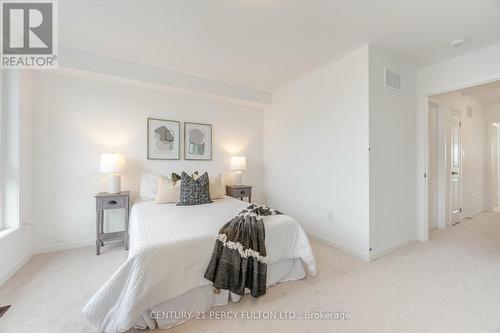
(113,164)
(238,165)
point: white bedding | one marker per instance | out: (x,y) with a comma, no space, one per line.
(170,247)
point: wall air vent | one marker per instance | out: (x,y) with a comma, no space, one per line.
(392,80)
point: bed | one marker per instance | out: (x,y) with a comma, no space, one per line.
(170,247)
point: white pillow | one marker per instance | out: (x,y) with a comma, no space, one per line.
(168,191)
(217,188)
(148,187)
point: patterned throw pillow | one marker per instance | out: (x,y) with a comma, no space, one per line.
(194,191)
(175,177)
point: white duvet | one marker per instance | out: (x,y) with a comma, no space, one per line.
(170,247)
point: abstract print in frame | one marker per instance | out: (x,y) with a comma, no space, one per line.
(163,139)
(197,141)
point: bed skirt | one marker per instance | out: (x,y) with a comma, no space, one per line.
(170,313)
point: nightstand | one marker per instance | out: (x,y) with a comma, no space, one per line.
(106,201)
(239,191)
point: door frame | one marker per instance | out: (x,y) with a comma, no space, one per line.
(437,212)
(424,95)
(443,200)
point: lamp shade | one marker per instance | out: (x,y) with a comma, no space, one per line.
(112,163)
(238,163)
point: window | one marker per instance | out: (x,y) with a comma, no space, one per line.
(9,149)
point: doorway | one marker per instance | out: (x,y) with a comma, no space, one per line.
(463,155)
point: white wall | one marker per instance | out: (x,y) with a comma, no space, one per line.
(76,119)
(10,131)
(466,71)
(316,152)
(492,115)
(492,112)
(474,149)
(16,242)
(392,155)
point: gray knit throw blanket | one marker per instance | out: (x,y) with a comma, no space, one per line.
(238,259)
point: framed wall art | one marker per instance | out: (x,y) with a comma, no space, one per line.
(163,139)
(197,141)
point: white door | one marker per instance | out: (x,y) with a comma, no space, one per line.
(456,167)
(432,169)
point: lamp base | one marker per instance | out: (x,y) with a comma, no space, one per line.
(238,178)
(114,185)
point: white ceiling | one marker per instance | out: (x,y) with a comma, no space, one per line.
(486,94)
(263,43)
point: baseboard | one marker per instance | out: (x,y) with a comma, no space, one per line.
(15,268)
(343,248)
(392,248)
(63,246)
(474,213)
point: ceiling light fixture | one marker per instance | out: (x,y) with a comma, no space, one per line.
(457,42)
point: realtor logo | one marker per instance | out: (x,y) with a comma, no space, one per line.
(29,38)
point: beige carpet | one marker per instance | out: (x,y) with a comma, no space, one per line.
(450,284)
